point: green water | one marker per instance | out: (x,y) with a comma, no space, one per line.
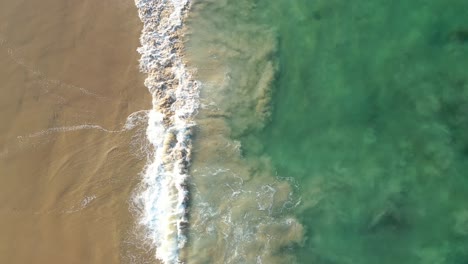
(371,119)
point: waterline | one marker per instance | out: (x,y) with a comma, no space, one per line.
(162,197)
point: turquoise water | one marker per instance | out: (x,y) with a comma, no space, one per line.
(369,117)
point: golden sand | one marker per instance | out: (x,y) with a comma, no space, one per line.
(69,80)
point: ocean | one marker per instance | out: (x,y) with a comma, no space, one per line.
(252,131)
(337,130)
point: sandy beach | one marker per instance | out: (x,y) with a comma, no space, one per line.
(68,165)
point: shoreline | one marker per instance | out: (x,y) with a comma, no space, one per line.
(163,195)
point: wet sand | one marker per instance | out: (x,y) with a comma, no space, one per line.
(69,79)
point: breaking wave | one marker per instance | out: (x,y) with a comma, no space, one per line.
(162,197)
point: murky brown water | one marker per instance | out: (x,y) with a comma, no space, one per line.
(69,80)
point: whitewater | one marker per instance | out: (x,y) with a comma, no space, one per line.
(163,195)
(240,210)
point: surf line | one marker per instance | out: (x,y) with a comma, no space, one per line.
(162,197)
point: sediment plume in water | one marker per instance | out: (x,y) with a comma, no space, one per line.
(161,200)
(241,212)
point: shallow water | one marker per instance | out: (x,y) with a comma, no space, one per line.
(240,210)
(368,120)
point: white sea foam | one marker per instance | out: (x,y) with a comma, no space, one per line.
(133,120)
(163,194)
(68,129)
